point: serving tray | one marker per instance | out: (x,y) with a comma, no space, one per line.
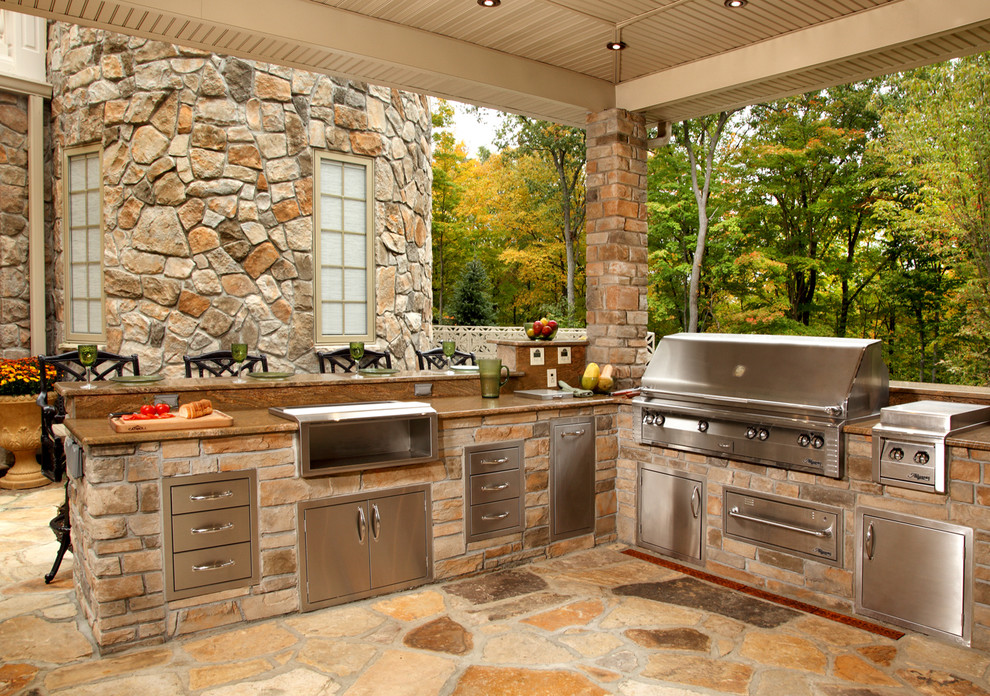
(217,419)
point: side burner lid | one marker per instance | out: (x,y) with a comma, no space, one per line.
(941,417)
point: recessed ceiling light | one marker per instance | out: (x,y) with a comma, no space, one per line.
(489,3)
(734,4)
(615,45)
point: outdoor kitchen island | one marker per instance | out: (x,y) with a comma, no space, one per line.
(124,545)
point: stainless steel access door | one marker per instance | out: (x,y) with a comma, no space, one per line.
(336,551)
(572,471)
(915,572)
(398,543)
(672,512)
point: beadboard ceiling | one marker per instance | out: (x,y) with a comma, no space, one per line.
(547,58)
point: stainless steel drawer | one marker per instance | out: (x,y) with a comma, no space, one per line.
(211,566)
(802,528)
(200,530)
(213,495)
(501,485)
(491,517)
(484,461)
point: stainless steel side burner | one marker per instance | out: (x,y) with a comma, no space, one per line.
(909,448)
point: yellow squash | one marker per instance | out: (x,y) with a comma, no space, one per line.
(589,380)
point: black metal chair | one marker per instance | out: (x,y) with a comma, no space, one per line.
(220,363)
(435,359)
(342,358)
(68,369)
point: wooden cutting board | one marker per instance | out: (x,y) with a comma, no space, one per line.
(217,419)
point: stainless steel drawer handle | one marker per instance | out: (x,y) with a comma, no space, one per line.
(824,533)
(495,516)
(572,433)
(500,460)
(871,541)
(216,565)
(211,496)
(212,528)
(696,502)
(497,487)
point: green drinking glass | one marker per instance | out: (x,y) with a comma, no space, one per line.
(238,351)
(87,358)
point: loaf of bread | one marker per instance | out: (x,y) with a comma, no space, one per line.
(196,409)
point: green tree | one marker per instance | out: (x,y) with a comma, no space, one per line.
(562,148)
(449,160)
(472,301)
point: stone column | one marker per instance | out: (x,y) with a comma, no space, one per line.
(616,238)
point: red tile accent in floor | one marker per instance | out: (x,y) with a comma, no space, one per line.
(769,596)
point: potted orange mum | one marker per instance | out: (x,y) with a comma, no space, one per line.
(20,421)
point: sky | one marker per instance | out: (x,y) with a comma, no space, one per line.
(471,132)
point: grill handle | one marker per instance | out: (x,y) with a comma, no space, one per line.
(830,411)
(821,533)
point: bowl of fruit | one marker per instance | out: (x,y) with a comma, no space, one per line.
(541,330)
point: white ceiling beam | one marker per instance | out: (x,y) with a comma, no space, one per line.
(314,25)
(871,31)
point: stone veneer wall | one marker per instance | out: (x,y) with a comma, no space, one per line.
(208,195)
(117,507)
(15,329)
(792,576)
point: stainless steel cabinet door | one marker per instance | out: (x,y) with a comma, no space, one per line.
(913,572)
(336,550)
(671,513)
(398,538)
(572,468)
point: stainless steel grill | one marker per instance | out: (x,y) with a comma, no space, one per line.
(775,400)
(909,448)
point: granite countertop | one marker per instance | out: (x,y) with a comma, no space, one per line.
(99,432)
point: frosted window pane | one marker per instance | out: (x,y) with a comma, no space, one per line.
(354,251)
(94,282)
(77,174)
(77,210)
(77,246)
(354,285)
(331,217)
(330,248)
(333,319)
(330,177)
(78,280)
(94,245)
(92,170)
(79,316)
(354,319)
(93,208)
(354,216)
(354,178)
(334,286)
(95,317)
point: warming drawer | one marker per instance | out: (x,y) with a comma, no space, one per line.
(797,527)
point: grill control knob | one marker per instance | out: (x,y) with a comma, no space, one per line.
(763,434)
(921,457)
(817,442)
(750,432)
(648,418)
(658,419)
(804,440)
(897,454)
(703,426)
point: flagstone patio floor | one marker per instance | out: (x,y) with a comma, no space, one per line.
(592,622)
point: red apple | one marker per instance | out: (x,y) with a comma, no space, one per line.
(537,327)
(553,325)
(547,330)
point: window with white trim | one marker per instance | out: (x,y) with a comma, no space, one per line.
(83,245)
(344,220)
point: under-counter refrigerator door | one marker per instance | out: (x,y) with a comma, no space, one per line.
(572,471)
(336,550)
(913,572)
(398,539)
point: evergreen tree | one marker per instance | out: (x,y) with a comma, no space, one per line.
(472,302)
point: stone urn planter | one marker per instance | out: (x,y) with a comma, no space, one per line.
(20,434)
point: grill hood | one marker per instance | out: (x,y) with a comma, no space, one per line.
(817,377)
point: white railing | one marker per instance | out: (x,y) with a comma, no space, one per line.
(475,339)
